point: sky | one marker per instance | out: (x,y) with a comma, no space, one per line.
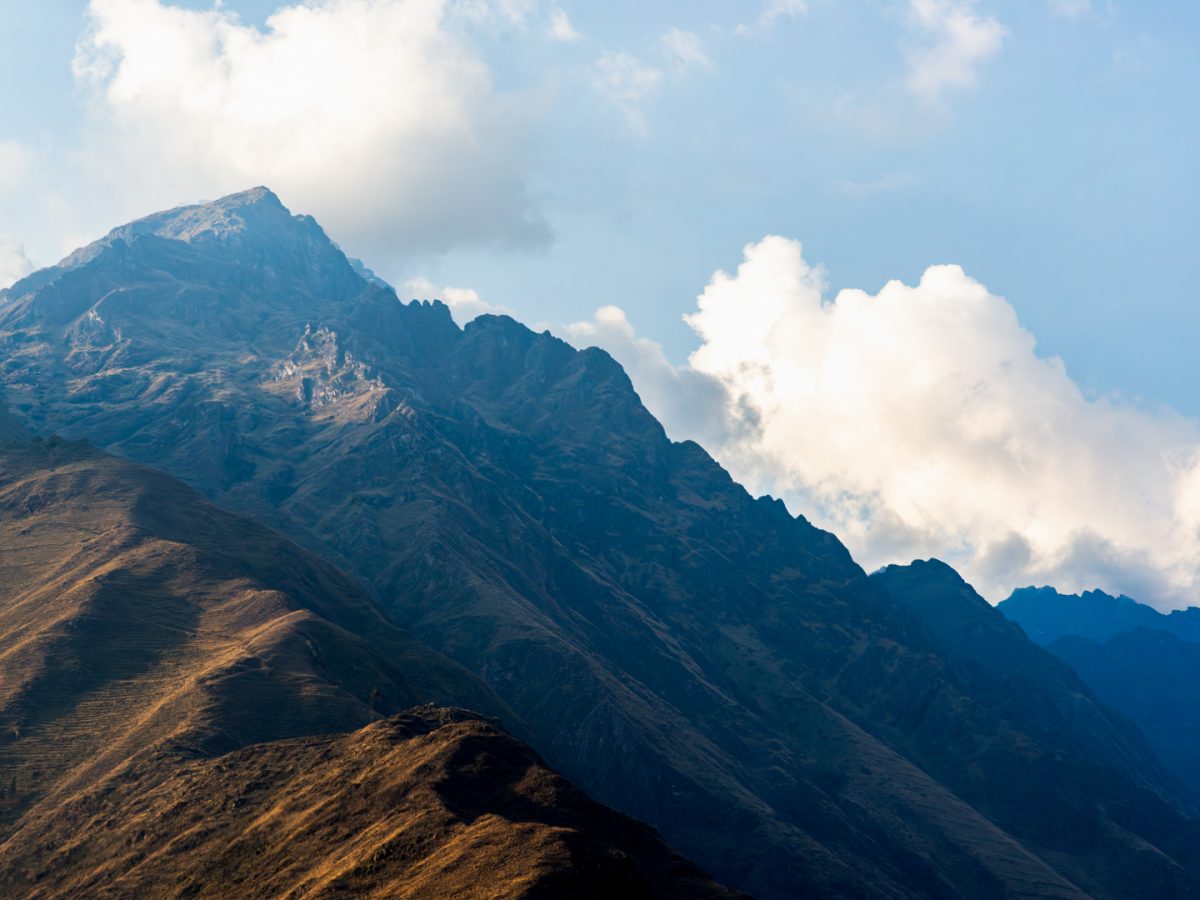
(924,268)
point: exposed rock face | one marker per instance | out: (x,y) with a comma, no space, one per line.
(693,656)
(150,643)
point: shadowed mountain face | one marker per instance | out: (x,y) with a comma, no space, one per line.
(1136,659)
(1154,678)
(693,656)
(147,638)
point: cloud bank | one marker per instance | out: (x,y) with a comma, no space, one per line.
(921,421)
(375,115)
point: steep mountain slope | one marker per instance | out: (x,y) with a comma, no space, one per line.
(143,633)
(688,654)
(1139,661)
(1035,689)
(1046,615)
(431,803)
(1154,678)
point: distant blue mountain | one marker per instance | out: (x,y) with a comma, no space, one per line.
(1046,615)
(1137,660)
(1154,678)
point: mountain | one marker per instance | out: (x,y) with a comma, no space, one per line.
(1047,615)
(1034,687)
(1153,677)
(426,803)
(1137,660)
(165,666)
(693,656)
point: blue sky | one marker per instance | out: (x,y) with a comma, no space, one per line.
(555,158)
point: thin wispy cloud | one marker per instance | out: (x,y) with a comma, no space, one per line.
(1071,9)
(627,83)
(951,40)
(561,29)
(773,13)
(684,50)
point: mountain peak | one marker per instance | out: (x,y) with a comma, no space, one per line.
(251,228)
(253,209)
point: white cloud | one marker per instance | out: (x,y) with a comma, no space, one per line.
(511,13)
(773,12)
(684,50)
(1071,9)
(920,421)
(690,404)
(628,83)
(561,29)
(16,162)
(14,263)
(374,115)
(953,41)
(465,303)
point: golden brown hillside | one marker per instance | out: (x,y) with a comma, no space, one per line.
(150,644)
(430,803)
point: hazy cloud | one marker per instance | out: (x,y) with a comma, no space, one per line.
(373,115)
(628,83)
(561,29)
(773,12)
(14,263)
(684,50)
(16,162)
(1070,9)
(920,421)
(952,39)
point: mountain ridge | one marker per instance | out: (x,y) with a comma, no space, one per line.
(693,656)
(167,670)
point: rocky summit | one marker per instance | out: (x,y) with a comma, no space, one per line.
(697,658)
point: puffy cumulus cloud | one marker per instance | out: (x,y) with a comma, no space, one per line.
(773,12)
(952,41)
(465,303)
(920,421)
(375,115)
(14,263)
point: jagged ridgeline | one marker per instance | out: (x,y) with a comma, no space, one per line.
(695,657)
